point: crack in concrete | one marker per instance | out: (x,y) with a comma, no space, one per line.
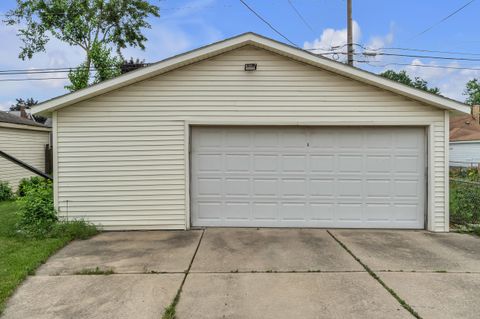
(402,302)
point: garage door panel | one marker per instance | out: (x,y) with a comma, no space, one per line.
(308,177)
(265,163)
(382,139)
(347,139)
(293,139)
(350,163)
(322,163)
(378,163)
(209,210)
(379,212)
(236,210)
(378,188)
(265,211)
(209,186)
(406,188)
(294,163)
(237,187)
(293,211)
(405,212)
(322,187)
(350,212)
(265,187)
(322,140)
(293,187)
(407,164)
(322,211)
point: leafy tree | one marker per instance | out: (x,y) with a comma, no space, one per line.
(472,91)
(98,27)
(404,78)
(27,104)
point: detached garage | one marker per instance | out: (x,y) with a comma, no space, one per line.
(250,132)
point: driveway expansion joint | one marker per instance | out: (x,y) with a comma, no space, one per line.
(170,310)
(375,276)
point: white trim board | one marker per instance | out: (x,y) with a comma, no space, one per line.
(259,41)
(465,142)
(25,127)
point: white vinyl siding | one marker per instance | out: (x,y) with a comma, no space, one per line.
(465,154)
(26,145)
(122,155)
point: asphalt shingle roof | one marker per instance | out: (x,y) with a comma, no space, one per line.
(13,119)
(464,128)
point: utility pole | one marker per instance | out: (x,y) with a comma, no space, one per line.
(349,33)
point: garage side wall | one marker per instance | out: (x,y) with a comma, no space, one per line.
(26,145)
(121,157)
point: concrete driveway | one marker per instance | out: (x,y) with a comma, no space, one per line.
(258,273)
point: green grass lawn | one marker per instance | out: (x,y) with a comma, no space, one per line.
(20,257)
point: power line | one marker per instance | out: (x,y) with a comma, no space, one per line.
(27,72)
(417,50)
(420,56)
(373,54)
(418,65)
(267,23)
(301,17)
(54,70)
(442,20)
(31,79)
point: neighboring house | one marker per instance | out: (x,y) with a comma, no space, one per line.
(25,140)
(256,133)
(465,139)
(24,113)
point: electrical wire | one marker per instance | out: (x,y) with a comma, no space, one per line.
(417,50)
(417,65)
(305,22)
(56,70)
(268,23)
(421,56)
(405,55)
(31,79)
(442,20)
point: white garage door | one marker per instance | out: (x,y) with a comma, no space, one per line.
(357,177)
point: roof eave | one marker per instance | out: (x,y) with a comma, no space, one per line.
(25,127)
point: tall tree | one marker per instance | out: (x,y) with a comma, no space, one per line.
(404,78)
(98,27)
(472,91)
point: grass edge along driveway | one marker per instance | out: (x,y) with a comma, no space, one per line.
(20,257)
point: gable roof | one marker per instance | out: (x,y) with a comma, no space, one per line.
(259,41)
(464,128)
(17,120)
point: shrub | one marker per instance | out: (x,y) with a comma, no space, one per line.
(38,217)
(465,173)
(37,213)
(5,191)
(464,203)
(476,231)
(27,183)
